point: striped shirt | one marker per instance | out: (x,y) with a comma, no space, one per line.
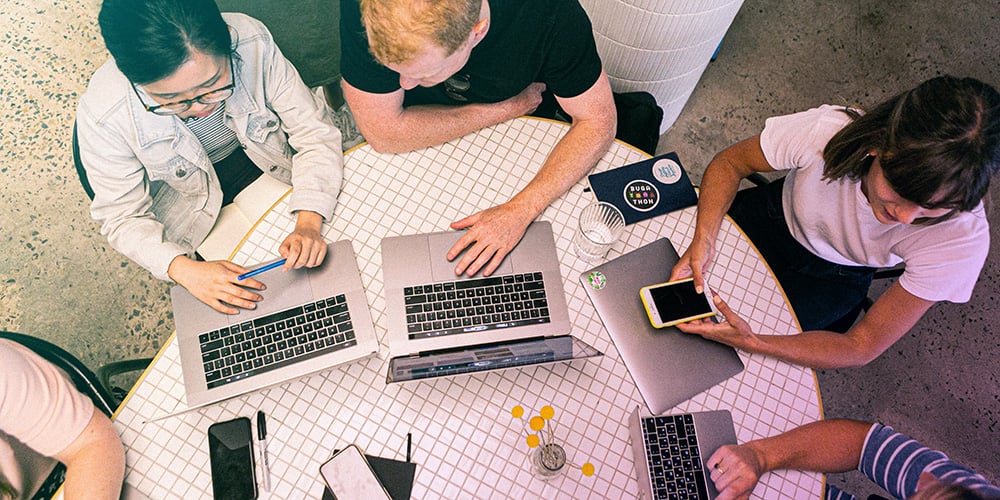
(213,134)
(894,462)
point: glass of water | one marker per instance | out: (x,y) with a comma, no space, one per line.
(601,224)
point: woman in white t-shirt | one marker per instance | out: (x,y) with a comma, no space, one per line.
(902,183)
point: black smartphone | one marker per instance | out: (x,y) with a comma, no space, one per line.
(230,446)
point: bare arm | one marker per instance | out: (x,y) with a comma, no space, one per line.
(391,128)
(718,189)
(494,232)
(895,312)
(95,461)
(824,446)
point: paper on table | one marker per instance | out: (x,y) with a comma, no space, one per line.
(236,219)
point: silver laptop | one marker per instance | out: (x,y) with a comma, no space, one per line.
(309,320)
(440,324)
(671,451)
(667,365)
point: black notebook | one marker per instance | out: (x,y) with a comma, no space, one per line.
(645,189)
(396,476)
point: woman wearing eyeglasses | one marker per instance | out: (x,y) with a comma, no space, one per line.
(193,108)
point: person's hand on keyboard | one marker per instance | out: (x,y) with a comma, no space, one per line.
(735,471)
(491,235)
(215,283)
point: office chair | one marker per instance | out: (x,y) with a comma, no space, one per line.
(96,386)
(846,321)
(80,172)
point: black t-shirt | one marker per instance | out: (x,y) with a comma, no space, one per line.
(549,41)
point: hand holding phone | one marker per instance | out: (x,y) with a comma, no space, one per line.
(668,304)
(231,456)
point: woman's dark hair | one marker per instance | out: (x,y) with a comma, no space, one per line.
(150,39)
(938,144)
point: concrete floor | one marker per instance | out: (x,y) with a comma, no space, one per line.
(60,280)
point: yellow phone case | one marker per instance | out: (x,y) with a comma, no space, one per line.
(649,312)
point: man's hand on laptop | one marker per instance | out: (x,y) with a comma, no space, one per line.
(491,235)
(215,283)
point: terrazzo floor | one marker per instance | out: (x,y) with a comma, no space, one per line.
(60,280)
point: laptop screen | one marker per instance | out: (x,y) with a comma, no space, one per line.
(488,357)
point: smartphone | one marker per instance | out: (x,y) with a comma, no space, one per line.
(668,304)
(349,475)
(230,446)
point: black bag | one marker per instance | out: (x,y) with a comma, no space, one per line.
(639,118)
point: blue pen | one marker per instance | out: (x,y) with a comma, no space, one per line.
(259,270)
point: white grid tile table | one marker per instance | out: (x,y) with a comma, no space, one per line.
(465,440)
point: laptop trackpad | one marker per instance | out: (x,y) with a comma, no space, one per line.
(284,290)
(442,269)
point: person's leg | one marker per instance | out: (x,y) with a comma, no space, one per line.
(819,292)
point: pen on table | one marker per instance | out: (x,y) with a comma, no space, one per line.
(262,269)
(262,444)
(409,441)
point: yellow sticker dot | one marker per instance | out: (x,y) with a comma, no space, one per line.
(547,412)
(536,423)
(517,411)
(587,469)
(532,440)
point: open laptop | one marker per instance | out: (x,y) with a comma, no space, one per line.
(667,365)
(310,319)
(671,452)
(440,324)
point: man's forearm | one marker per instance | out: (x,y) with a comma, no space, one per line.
(573,156)
(423,126)
(824,446)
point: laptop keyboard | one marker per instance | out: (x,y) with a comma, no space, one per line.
(674,461)
(272,341)
(475,305)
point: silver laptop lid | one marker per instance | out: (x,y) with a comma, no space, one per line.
(418,260)
(668,366)
(338,275)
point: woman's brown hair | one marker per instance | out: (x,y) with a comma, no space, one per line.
(938,144)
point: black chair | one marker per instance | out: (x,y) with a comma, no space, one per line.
(846,321)
(80,172)
(96,386)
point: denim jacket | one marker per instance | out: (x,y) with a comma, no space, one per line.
(156,194)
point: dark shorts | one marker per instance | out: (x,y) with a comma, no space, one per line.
(819,291)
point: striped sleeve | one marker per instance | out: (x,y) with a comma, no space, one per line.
(895,462)
(835,493)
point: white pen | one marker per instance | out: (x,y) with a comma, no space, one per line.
(262,445)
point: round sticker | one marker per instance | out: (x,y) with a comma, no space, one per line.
(597,280)
(641,195)
(667,171)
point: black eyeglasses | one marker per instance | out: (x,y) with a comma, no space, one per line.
(456,85)
(210,97)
